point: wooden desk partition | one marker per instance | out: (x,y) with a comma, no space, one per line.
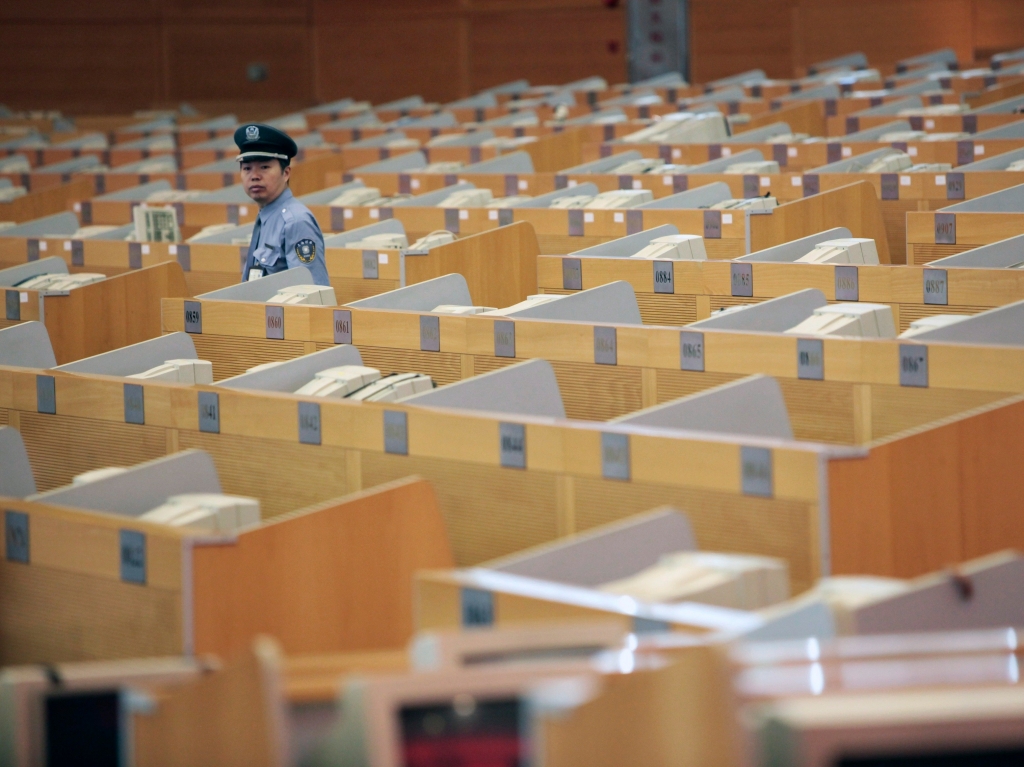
(728,234)
(105,315)
(115,312)
(334,577)
(702,287)
(46,202)
(858,399)
(233,716)
(932,235)
(489,510)
(766,497)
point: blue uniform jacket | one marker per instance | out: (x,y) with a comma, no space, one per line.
(289,236)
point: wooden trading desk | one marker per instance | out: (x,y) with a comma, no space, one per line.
(102,316)
(335,576)
(44,203)
(500,265)
(766,497)
(933,235)
(698,288)
(858,399)
(727,234)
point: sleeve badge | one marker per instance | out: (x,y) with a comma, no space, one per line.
(305,250)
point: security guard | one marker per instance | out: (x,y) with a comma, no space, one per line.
(286,234)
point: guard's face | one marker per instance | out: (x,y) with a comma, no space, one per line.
(264,180)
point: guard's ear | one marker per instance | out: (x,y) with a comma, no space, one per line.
(286,171)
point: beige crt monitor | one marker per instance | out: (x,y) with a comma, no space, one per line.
(89,688)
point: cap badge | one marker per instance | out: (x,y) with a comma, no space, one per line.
(252,133)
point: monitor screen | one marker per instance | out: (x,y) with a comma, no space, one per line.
(465,732)
(83,728)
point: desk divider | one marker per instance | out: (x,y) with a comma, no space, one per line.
(293,577)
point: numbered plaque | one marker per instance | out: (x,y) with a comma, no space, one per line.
(615,456)
(396,432)
(371,265)
(810,359)
(691,351)
(712,224)
(756,471)
(46,395)
(847,283)
(742,279)
(504,338)
(16,536)
(133,556)
(477,608)
(572,273)
(309,423)
(209,412)
(12,299)
(134,404)
(936,287)
(342,326)
(512,445)
(430,333)
(193,317)
(664,276)
(945,228)
(605,346)
(275,322)
(914,365)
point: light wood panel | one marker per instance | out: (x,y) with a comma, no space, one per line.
(233,716)
(911,516)
(332,578)
(489,510)
(112,313)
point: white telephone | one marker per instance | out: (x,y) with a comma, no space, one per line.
(509,142)
(570,201)
(207,511)
(12,193)
(60,282)
(931,167)
(314,295)
(686,128)
(755,166)
(340,381)
(180,371)
(621,198)
(352,198)
(675,247)
(96,474)
(637,167)
(394,387)
(845,250)
(508,202)
(461,310)
(531,301)
(432,240)
(442,167)
(891,163)
(389,241)
(467,198)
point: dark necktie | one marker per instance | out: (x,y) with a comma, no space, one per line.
(250,260)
